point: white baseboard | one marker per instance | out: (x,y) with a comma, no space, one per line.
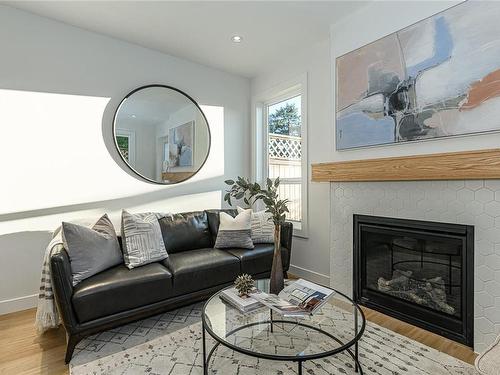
(17,304)
(310,275)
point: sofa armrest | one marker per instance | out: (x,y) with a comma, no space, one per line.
(286,241)
(62,285)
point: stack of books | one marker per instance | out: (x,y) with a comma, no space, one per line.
(244,304)
(298,298)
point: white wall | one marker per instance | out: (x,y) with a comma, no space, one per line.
(311,256)
(59,87)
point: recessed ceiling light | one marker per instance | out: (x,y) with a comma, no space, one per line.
(133,116)
(237,39)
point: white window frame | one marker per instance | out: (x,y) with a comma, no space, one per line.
(260,103)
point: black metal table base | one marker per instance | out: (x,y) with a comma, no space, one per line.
(272,322)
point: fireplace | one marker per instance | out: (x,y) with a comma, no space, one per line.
(420,272)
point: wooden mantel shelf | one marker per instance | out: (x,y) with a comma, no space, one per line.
(468,165)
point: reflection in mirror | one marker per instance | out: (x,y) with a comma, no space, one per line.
(162,134)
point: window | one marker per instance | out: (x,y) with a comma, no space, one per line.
(126,144)
(280,124)
(284,151)
(123,146)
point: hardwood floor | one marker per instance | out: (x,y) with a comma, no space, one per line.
(22,351)
(437,342)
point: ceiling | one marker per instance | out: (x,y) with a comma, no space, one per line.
(153,105)
(201,31)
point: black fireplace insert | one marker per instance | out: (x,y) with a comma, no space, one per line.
(420,272)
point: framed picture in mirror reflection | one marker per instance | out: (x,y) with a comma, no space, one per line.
(181,145)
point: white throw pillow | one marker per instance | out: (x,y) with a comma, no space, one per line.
(142,241)
(234,231)
(262,226)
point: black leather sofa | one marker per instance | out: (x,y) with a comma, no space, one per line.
(193,271)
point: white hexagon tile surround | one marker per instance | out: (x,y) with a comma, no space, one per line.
(472,202)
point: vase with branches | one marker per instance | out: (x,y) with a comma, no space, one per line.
(252,192)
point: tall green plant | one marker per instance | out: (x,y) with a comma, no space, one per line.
(250,192)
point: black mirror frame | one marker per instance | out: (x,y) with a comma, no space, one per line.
(126,162)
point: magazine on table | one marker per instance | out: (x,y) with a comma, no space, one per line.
(244,304)
(299,298)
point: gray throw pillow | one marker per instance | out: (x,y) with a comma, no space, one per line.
(91,250)
(234,231)
(142,240)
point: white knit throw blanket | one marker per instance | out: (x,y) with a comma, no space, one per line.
(46,313)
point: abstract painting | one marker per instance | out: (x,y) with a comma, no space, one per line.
(180,145)
(437,78)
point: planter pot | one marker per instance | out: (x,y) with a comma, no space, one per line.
(277,281)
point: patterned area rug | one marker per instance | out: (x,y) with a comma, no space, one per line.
(171,344)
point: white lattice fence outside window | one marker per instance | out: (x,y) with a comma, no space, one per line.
(284,147)
(285,162)
(124,152)
(292,192)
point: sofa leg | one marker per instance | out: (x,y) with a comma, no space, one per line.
(285,275)
(72,341)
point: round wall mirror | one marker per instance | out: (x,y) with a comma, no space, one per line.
(161,134)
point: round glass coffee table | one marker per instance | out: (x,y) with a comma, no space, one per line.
(336,327)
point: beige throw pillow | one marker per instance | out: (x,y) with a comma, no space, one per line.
(262,226)
(234,232)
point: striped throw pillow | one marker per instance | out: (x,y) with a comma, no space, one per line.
(234,232)
(262,226)
(142,241)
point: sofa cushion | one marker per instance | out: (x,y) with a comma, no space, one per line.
(260,259)
(202,268)
(213,220)
(119,289)
(185,231)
